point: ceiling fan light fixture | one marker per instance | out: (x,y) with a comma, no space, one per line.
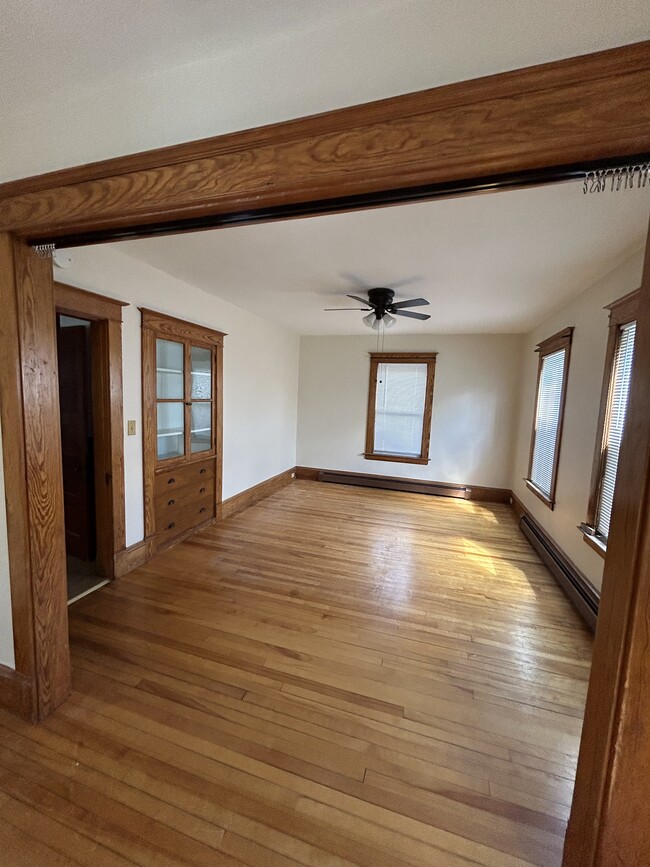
(370,319)
(389,320)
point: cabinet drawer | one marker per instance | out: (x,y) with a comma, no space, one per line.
(175,497)
(183,475)
(176,519)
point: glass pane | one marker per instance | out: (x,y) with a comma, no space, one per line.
(169,369)
(201,373)
(399,409)
(171,430)
(547,420)
(201,427)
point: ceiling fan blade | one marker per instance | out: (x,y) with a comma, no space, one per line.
(414,302)
(411,315)
(360,300)
(363,309)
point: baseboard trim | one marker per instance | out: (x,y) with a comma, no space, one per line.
(253,495)
(477,493)
(575,584)
(130,558)
(16,694)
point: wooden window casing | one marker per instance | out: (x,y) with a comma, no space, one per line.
(377,358)
(558,342)
(621,313)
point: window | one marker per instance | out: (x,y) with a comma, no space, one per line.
(552,375)
(611,420)
(400,402)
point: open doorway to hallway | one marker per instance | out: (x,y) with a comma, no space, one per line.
(77,413)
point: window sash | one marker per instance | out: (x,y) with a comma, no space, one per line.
(548,414)
(400,403)
(399,409)
(617,401)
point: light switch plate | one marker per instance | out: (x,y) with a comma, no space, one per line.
(130,428)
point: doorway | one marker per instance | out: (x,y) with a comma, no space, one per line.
(76,409)
(89,350)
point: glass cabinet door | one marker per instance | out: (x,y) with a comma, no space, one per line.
(201,399)
(170,395)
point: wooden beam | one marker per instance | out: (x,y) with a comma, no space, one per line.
(581,110)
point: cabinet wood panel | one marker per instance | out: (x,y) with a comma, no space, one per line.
(182,382)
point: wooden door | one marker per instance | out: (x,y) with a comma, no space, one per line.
(75,399)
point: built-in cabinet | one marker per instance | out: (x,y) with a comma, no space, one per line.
(182,409)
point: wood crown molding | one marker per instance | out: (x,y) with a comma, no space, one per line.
(174,327)
(574,112)
(72,301)
(625,309)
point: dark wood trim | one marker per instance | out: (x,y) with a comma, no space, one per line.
(377,358)
(621,312)
(130,558)
(555,343)
(610,814)
(477,493)
(253,495)
(16,694)
(105,315)
(15,467)
(574,111)
(73,301)
(556,75)
(170,326)
(33,476)
(572,580)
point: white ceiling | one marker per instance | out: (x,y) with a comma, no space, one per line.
(496,262)
(82,81)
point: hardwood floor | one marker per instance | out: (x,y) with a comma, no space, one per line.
(334,676)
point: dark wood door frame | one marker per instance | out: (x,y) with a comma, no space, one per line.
(105,315)
(543,122)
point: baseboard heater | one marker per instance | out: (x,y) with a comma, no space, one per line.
(568,576)
(412,486)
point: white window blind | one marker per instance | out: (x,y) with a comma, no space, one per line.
(399,409)
(619,389)
(547,418)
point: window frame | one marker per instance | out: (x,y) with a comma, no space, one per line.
(561,340)
(621,312)
(377,358)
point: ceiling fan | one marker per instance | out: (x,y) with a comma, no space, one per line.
(382,308)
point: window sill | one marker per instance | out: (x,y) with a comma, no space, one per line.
(540,494)
(397,459)
(594,541)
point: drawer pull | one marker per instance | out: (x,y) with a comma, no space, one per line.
(202,491)
(170,481)
(203,509)
(171,503)
(202,471)
(171,526)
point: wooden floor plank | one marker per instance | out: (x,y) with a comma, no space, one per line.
(334,676)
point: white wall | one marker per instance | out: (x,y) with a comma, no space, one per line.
(6,627)
(474,403)
(260,371)
(586,368)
